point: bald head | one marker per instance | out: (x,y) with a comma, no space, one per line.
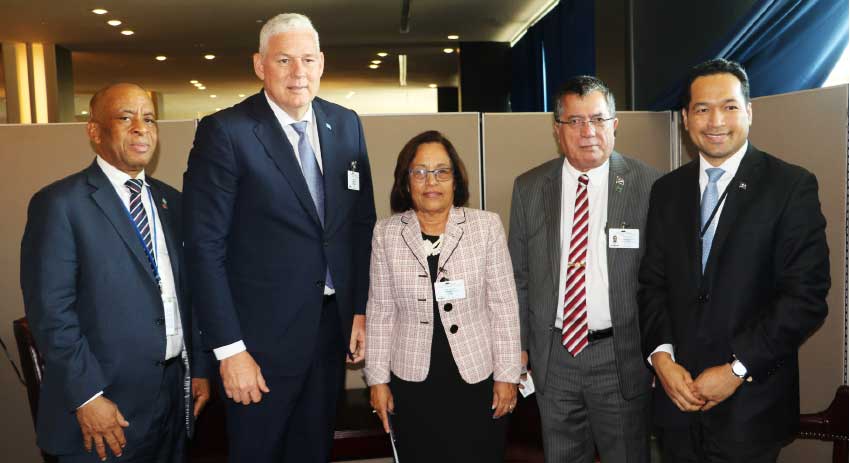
(122,126)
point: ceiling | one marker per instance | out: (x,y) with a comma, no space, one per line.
(351,33)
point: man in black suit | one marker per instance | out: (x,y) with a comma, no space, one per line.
(102,277)
(279,218)
(734,279)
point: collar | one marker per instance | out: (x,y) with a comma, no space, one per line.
(283,117)
(117,177)
(597,175)
(729,166)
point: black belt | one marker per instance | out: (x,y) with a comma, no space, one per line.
(169,362)
(328,298)
(598,335)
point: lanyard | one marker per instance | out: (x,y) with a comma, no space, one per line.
(152,258)
(714,212)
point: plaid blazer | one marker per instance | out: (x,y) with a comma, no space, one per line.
(400,313)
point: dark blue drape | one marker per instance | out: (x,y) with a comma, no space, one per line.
(785,46)
(564,39)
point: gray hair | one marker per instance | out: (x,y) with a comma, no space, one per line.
(285,22)
(582,86)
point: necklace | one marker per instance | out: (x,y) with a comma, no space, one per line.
(432,249)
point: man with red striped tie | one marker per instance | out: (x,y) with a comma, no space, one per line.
(576,239)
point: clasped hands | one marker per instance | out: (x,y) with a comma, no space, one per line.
(712,386)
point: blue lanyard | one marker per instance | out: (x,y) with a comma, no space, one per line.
(152,258)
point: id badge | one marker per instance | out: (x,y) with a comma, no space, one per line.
(170,304)
(449,290)
(624,238)
(353,180)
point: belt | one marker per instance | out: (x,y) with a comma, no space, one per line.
(327,299)
(598,335)
(169,362)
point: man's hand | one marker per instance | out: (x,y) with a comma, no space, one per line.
(676,382)
(524,360)
(200,393)
(716,384)
(102,424)
(381,399)
(243,381)
(357,347)
(504,398)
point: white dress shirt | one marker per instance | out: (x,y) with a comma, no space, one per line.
(171,314)
(730,168)
(596,271)
(285,121)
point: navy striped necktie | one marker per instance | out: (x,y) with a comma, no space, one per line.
(140,219)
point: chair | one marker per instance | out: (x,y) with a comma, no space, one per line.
(32,367)
(829,425)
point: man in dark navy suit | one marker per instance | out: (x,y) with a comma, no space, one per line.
(734,279)
(103,284)
(279,217)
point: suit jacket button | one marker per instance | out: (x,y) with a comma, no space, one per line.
(160,321)
(448,307)
(320,284)
(453,329)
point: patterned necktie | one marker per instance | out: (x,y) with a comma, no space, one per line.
(313,176)
(140,219)
(709,202)
(574,331)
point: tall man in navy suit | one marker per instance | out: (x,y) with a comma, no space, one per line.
(103,284)
(734,279)
(279,217)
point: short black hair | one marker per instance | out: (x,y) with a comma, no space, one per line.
(581,86)
(712,67)
(400,199)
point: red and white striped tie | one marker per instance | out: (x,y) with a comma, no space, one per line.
(574,331)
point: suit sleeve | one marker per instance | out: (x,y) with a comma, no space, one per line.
(801,269)
(49,266)
(364,223)
(380,316)
(210,185)
(655,324)
(502,303)
(518,247)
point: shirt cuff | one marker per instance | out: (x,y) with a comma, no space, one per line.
(662,348)
(92,398)
(229,350)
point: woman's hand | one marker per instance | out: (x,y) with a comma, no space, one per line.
(381,400)
(504,398)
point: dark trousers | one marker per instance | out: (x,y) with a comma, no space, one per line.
(696,444)
(294,423)
(165,440)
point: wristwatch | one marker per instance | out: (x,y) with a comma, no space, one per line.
(738,369)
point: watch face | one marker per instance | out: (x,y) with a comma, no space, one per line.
(738,368)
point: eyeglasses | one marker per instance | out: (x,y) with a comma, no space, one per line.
(443,174)
(577,122)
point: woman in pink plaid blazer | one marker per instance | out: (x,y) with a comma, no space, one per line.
(442,324)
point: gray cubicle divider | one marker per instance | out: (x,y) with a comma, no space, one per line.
(516,142)
(387,134)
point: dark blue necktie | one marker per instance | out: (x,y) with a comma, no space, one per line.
(140,219)
(313,176)
(709,202)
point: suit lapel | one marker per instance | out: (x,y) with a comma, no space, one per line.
(688,200)
(167,222)
(269,132)
(740,188)
(412,236)
(552,212)
(619,182)
(110,204)
(452,235)
(332,165)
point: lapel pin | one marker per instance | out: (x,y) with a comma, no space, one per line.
(164,204)
(742,186)
(619,183)
(328,126)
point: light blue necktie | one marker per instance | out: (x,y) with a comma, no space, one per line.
(709,202)
(313,176)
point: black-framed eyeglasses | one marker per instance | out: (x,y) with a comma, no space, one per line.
(577,122)
(419,174)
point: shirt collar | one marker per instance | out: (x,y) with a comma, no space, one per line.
(117,177)
(597,175)
(283,117)
(729,166)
